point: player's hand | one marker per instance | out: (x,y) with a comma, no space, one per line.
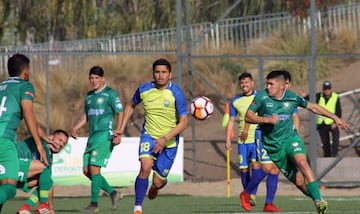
(52,211)
(243,136)
(74,133)
(228,144)
(160,144)
(42,153)
(342,123)
(116,140)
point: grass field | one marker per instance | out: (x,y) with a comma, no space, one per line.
(171,204)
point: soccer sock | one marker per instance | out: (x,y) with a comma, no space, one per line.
(105,185)
(271,187)
(45,184)
(313,189)
(95,187)
(255,181)
(33,199)
(257,174)
(141,186)
(7,191)
(245,177)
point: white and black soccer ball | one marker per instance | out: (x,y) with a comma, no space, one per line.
(201,108)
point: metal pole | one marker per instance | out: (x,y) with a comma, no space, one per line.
(47,96)
(190,69)
(179,42)
(312,87)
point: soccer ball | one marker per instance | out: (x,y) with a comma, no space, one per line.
(201,108)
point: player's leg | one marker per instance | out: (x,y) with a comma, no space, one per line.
(44,186)
(9,168)
(271,186)
(161,168)
(244,164)
(146,146)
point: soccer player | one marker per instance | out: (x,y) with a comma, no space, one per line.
(249,138)
(33,173)
(102,107)
(165,118)
(16,102)
(274,107)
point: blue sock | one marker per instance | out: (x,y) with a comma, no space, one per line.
(257,177)
(271,187)
(257,174)
(141,186)
(245,178)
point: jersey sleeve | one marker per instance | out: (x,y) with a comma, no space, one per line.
(256,103)
(233,111)
(116,102)
(301,101)
(28,92)
(136,99)
(181,104)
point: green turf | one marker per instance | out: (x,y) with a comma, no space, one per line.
(187,204)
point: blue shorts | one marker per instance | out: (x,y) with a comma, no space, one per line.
(163,161)
(262,155)
(247,153)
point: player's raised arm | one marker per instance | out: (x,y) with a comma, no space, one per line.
(315,108)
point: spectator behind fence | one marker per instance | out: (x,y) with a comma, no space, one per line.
(330,100)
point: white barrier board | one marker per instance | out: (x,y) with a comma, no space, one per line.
(121,170)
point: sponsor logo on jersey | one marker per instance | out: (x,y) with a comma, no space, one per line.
(2,169)
(2,87)
(95,112)
(100,101)
(269,105)
(166,103)
(286,105)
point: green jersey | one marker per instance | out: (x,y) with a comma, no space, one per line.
(27,150)
(100,109)
(274,136)
(12,92)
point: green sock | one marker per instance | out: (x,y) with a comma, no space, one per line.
(45,184)
(95,187)
(106,186)
(7,191)
(314,191)
(33,199)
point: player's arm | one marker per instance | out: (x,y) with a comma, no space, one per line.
(31,123)
(244,133)
(161,142)
(315,108)
(129,110)
(78,125)
(117,131)
(229,129)
(253,118)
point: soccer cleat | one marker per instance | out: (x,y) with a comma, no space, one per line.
(245,201)
(252,200)
(271,208)
(43,208)
(115,200)
(24,209)
(153,192)
(321,206)
(91,209)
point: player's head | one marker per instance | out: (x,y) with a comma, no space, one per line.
(327,88)
(96,77)
(18,66)
(287,77)
(275,83)
(161,73)
(246,83)
(59,139)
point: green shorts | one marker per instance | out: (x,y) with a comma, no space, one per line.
(284,158)
(97,154)
(9,161)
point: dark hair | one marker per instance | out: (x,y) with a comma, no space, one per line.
(161,62)
(286,75)
(97,70)
(277,74)
(16,64)
(244,75)
(60,131)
